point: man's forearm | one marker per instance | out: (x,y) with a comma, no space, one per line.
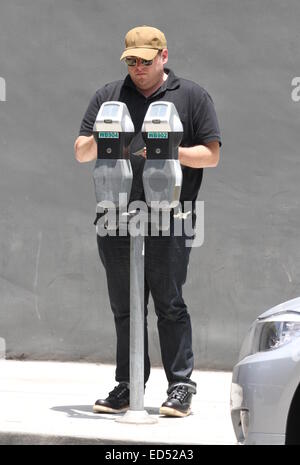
(200,156)
(85,149)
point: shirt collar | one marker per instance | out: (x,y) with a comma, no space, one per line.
(171,83)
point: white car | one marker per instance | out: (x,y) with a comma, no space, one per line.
(265,390)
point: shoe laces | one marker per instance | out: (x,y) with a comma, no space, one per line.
(179,393)
(119,391)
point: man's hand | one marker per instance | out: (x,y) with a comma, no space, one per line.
(200,156)
(85,149)
(141,153)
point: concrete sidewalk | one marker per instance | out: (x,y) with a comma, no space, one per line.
(51,403)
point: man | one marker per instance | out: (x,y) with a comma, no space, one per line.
(166,258)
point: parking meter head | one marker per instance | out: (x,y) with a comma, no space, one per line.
(113,131)
(162,177)
(162,131)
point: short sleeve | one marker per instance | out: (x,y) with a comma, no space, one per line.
(87,124)
(205,121)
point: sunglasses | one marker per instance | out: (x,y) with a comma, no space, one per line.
(133,61)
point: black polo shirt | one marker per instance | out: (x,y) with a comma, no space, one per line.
(195,108)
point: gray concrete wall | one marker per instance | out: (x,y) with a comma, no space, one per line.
(53,56)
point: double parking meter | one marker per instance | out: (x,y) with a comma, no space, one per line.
(113,131)
(162,177)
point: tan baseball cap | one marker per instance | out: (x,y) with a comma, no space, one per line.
(144,42)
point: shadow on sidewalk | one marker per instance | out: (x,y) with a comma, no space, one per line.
(86,412)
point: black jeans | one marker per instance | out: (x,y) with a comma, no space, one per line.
(166,263)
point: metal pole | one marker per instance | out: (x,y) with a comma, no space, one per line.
(137,276)
(136,413)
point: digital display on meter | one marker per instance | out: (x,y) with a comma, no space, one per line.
(158,111)
(110,111)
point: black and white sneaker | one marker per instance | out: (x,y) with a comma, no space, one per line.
(178,403)
(116,402)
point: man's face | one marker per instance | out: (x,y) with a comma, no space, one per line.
(146,77)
